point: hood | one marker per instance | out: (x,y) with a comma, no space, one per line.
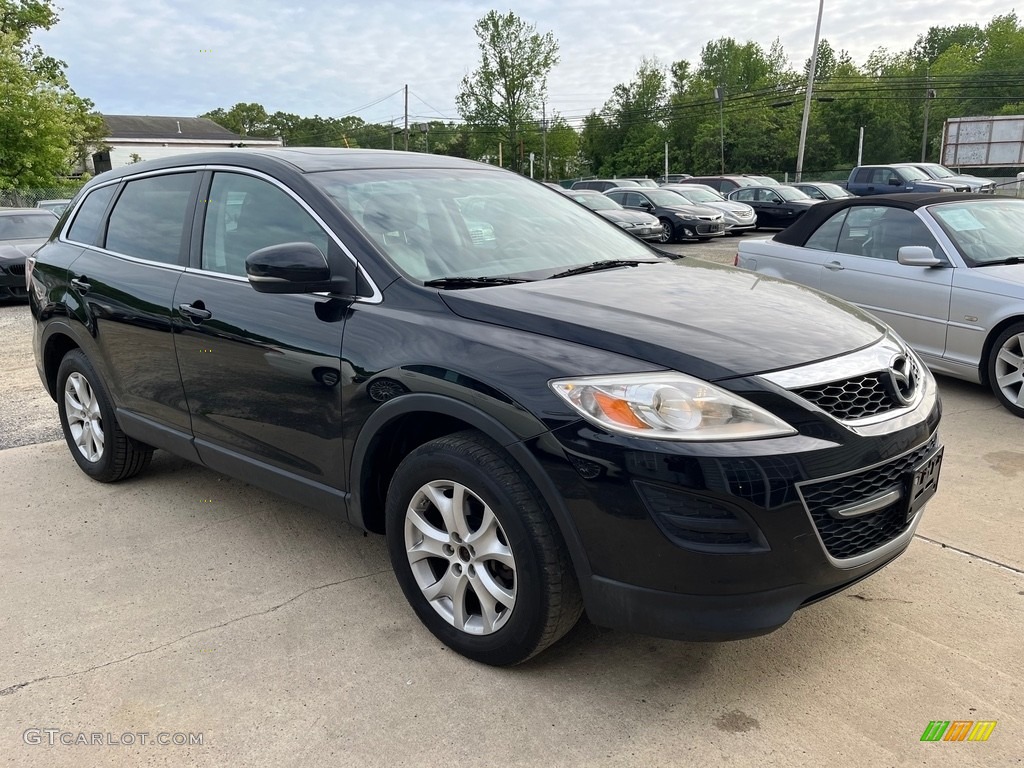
(803,203)
(634,217)
(1000,279)
(700,318)
(693,210)
(13,250)
(730,206)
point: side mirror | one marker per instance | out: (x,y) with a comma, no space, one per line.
(918,256)
(646,205)
(895,183)
(291,268)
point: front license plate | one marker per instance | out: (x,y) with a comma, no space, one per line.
(924,482)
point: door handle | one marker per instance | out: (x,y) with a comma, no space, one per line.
(81,284)
(195,313)
(834,266)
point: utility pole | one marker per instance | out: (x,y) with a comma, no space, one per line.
(860,147)
(929,94)
(666,162)
(720,98)
(406,117)
(807,95)
(544,140)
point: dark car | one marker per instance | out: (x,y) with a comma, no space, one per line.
(822,190)
(679,219)
(777,206)
(22,231)
(552,419)
(600,185)
(642,225)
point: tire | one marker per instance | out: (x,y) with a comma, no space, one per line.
(95,439)
(1006,369)
(667,231)
(455,589)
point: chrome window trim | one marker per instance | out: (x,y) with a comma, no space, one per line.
(376,298)
(891,546)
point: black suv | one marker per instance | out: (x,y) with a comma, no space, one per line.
(543,414)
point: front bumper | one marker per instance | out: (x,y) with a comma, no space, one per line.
(12,279)
(725,541)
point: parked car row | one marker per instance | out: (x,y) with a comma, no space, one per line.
(22,231)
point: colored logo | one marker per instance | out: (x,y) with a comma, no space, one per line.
(958,730)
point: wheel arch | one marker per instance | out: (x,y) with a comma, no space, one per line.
(55,347)
(399,426)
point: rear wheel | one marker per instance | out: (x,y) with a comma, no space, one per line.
(476,552)
(1006,369)
(667,231)
(98,445)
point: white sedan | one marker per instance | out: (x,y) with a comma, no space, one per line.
(946,271)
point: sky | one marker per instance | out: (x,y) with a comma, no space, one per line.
(186,57)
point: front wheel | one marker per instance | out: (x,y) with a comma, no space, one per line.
(667,231)
(477,553)
(1006,369)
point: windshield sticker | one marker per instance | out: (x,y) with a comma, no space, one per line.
(960,219)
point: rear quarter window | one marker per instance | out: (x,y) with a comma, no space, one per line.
(86,226)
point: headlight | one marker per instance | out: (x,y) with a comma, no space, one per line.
(667,406)
(626,224)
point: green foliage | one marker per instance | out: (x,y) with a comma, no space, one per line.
(44,126)
(503,96)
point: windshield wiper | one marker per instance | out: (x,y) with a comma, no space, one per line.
(599,265)
(472,282)
(999,262)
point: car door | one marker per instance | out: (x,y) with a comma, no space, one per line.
(123,284)
(864,270)
(261,372)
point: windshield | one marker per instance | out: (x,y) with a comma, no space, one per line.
(29,226)
(597,202)
(938,171)
(445,222)
(913,174)
(664,197)
(790,193)
(834,190)
(699,195)
(984,231)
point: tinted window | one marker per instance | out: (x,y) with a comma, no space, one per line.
(86,228)
(864,175)
(244,214)
(826,237)
(747,195)
(812,192)
(148,220)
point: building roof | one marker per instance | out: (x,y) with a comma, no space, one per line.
(153,127)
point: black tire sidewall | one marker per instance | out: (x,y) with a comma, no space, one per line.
(76,362)
(521,633)
(1013,330)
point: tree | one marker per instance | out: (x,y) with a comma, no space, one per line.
(504,94)
(44,126)
(245,119)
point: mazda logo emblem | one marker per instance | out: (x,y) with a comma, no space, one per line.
(902,380)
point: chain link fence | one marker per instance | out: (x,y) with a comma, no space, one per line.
(28,198)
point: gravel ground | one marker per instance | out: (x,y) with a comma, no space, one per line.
(28,415)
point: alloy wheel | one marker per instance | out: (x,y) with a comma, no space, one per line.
(84,418)
(1009,369)
(460,557)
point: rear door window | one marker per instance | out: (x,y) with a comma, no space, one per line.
(149,218)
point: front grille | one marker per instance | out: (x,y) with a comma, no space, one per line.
(16,269)
(709,229)
(848,537)
(850,399)
(701,524)
(856,398)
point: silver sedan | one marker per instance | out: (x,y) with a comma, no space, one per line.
(946,271)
